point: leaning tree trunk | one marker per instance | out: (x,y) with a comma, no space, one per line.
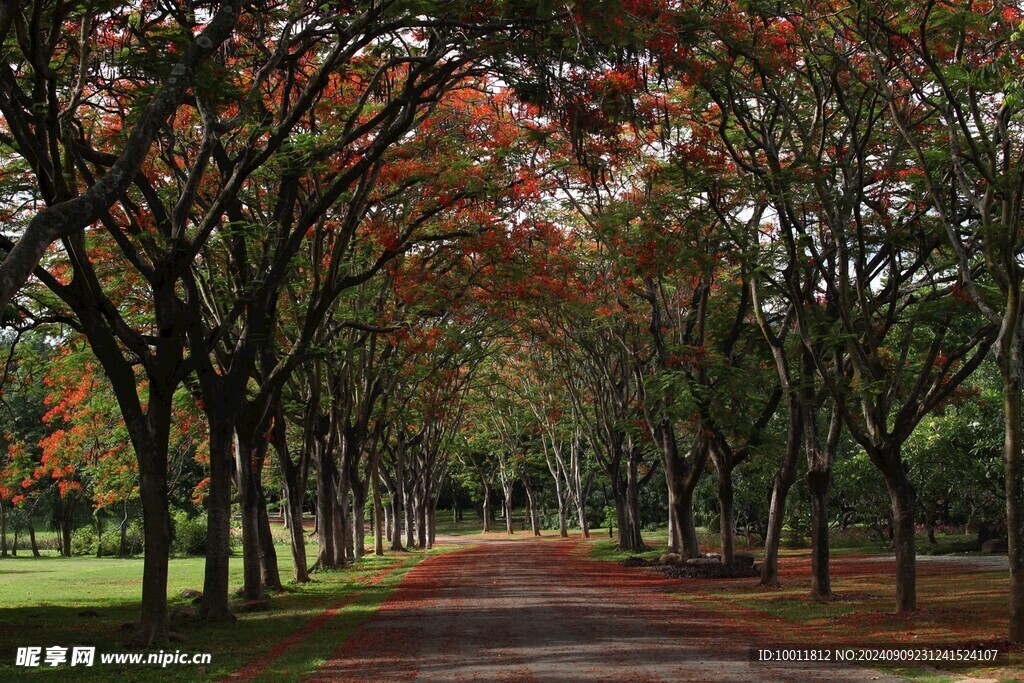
(531,506)
(296,533)
(785,475)
(581,513)
(293,481)
(270,573)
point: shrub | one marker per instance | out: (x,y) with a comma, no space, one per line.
(189,533)
(83,541)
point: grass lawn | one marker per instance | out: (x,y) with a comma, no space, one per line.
(958,606)
(41,599)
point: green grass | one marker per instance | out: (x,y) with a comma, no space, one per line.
(42,597)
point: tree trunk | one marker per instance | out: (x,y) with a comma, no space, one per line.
(726,512)
(422,506)
(378,507)
(819,481)
(410,523)
(252,588)
(270,573)
(581,513)
(531,506)
(396,518)
(32,538)
(785,475)
(325,484)
(293,479)
(634,537)
(901,495)
(507,486)
(67,521)
(1010,363)
(157,524)
(342,533)
(3,530)
(358,528)
(686,525)
(122,550)
(218,524)
(487,509)
(359,491)
(296,533)
(99,532)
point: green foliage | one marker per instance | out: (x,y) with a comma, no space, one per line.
(189,533)
(84,540)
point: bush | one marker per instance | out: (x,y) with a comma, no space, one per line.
(83,540)
(188,533)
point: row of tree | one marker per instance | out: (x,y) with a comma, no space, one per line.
(375,241)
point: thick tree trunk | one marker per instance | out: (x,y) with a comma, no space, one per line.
(296,533)
(32,538)
(249,499)
(157,525)
(325,516)
(687,528)
(634,537)
(3,530)
(218,524)
(1010,362)
(818,482)
(901,496)
(293,479)
(270,573)
(297,537)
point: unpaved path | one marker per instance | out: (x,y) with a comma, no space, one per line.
(538,611)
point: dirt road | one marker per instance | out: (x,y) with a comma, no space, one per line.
(538,611)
